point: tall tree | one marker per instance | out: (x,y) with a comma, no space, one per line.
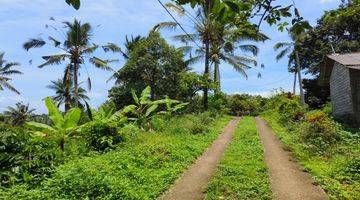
(337,30)
(239,14)
(18,115)
(6,71)
(153,62)
(224,44)
(77,48)
(62,94)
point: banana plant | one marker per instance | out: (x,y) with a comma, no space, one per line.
(63,126)
(172,106)
(143,110)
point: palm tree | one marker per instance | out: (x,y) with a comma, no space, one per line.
(221,40)
(60,88)
(290,49)
(19,114)
(76,48)
(6,71)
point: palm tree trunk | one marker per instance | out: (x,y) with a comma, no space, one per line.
(67,80)
(294,87)
(207,10)
(217,75)
(76,85)
(302,96)
(206,73)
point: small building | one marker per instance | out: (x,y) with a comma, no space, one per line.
(342,73)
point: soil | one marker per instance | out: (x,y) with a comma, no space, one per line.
(288,180)
(192,184)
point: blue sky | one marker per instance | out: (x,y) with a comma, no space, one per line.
(24,19)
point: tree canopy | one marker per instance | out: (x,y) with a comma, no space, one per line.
(153,62)
(337,30)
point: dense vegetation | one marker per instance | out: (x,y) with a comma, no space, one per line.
(156,122)
(141,168)
(324,147)
(242,175)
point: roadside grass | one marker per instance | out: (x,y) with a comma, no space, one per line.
(140,169)
(242,173)
(338,173)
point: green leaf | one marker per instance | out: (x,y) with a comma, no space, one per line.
(129,108)
(74,3)
(145,95)
(233,6)
(135,97)
(72,118)
(54,113)
(39,127)
(151,109)
(180,106)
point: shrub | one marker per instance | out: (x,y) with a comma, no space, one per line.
(129,131)
(244,104)
(158,123)
(290,110)
(319,130)
(25,158)
(101,134)
(352,169)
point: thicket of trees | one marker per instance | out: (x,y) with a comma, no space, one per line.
(337,31)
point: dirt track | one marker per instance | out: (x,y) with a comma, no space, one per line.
(193,182)
(288,181)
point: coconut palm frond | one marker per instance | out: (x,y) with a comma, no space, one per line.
(111,47)
(165,25)
(194,60)
(56,43)
(282,45)
(282,53)
(99,63)
(186,38)
(53,60)
(91,49)
(175,8)
(249,48)
(33,43)
(5,84)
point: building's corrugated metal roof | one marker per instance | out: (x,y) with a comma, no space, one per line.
(351,60)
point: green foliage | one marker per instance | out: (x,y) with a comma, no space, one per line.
(153,62)
(6,70)
(101,135)
(316,96)
(18,115)
(324,149)
(218,102)
(63,125)
(25,159)
(338,27)
(243,104)
(290,110)
(241,175)
(320,131)
(139,169)
(145,109)
(74,3)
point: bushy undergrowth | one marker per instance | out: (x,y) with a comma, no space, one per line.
(26,159)
(322,146)
(141,168)
(102,135)
(242,173)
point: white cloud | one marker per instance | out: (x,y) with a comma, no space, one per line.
(327,1)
